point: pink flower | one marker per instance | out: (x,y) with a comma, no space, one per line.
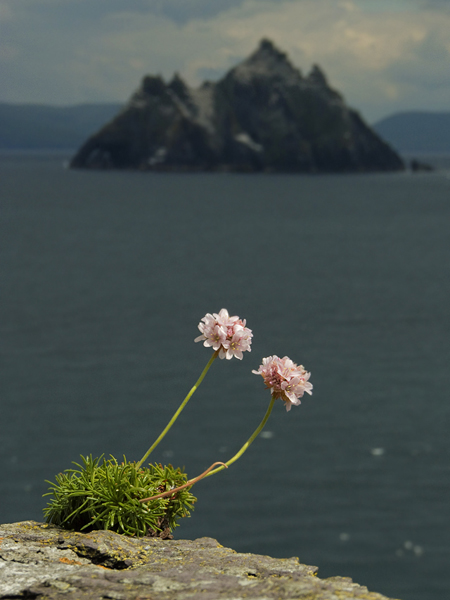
(285,379)
(228,335)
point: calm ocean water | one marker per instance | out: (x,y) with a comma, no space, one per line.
(104,277)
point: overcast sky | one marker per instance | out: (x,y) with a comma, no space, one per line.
(383,55)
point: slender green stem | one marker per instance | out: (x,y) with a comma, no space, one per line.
(248,442)
(182,487)
(180,408)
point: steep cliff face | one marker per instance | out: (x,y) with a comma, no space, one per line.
(262,116)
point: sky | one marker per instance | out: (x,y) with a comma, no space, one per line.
(384,56)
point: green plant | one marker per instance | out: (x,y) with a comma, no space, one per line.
(135,500)
(103,494)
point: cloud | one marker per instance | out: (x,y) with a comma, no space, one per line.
(436,4)
(183,11)
(381,60)
(384,56)
(89,11)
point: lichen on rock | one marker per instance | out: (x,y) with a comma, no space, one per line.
(42,561)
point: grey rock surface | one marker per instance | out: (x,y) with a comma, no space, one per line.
(262,116)
(40,561)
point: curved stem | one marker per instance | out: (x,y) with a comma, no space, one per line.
(188,484)
(248,442)
(180,408)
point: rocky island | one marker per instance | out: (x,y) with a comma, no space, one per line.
(45,562)
(262,116)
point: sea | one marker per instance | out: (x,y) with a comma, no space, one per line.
(104,277)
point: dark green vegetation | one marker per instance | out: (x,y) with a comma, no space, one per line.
(262,116)
(103,494)
(417,131)
(35,126)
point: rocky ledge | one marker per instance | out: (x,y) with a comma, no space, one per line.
(39,561)
(262,116)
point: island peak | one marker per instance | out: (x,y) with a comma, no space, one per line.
(262,116)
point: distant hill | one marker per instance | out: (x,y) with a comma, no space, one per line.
(262,116)
(36,126)
(417,132)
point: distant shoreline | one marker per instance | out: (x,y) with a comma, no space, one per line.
(36,151)
(438,160)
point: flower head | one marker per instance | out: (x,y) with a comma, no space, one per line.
(228,335)
(285,379)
